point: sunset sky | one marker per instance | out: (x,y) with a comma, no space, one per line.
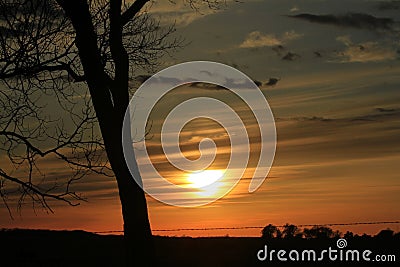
(337,114)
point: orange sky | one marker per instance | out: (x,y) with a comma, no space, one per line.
(326,170)
(337,120)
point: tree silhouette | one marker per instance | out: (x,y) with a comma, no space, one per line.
(397,236)
(290,231)
(348,235)
(270,231)
(320,232)
(65,67)
(385,234)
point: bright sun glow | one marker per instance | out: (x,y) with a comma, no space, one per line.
(203,178)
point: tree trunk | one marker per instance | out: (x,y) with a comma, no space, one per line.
(110,99)
(137,233)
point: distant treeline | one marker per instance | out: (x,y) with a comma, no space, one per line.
(290,231)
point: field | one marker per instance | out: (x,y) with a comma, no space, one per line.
(79,248)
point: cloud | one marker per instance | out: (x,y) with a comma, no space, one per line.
(279,49)
(183,13)
(345,39)
(380,114)
(258,39)
(258,83)
(178,13)
(387,110)
(209,86)
(353,20)
(272,81)
(365,52)
(388,5)
(291,56)
(317,54)
(181,18)
(301,119)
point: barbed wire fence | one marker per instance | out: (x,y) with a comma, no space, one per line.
(257,227)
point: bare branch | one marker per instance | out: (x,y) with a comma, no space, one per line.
(30,188)
(38,69)
(132,11)
(46,101)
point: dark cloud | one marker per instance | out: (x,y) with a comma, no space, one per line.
(291,56)
(258,83)
(273,81)
(317,54)
(388,5)
(354,20)
(279,49)
(300,119)
(378,114)
(387,110)
(229,83)
(209,86)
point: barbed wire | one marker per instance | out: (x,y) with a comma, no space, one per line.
(255,227)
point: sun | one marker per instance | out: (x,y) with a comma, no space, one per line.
(203,178)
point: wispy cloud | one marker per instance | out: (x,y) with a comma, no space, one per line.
(259,39)
(180,13)
(365,52)
(380,114)
(183,13)
(353,20)
(294,9)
